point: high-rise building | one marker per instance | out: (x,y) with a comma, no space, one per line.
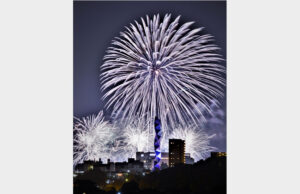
(217,154)
(176,152)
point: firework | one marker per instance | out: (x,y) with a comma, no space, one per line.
(196,141)
(135,137)
(96,139)
(161,69)
(93,138)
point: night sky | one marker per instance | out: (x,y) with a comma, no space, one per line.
(97,23)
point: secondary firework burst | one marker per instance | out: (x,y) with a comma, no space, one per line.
(162,69)
(93,138)
(135,137)
(196,141)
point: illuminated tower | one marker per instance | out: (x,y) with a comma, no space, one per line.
(158,133)
(176,152)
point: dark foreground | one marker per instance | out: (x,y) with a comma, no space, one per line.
(204,177)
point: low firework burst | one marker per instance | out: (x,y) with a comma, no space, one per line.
(96,139)
(136,137)
(196,141)
(93,138)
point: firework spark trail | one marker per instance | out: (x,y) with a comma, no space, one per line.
(161,69)
(196,141)
(92,138)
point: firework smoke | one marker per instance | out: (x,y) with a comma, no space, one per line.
(161,69)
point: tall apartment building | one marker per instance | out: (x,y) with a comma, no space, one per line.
(176,152)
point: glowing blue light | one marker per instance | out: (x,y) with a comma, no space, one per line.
(158,133)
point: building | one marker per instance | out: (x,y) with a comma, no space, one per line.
(132,166)
(176,152)
(189,159)
(217,154)
(147,158)
(164,158)
(83,167)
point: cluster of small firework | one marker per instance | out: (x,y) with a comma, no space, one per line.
(96,139)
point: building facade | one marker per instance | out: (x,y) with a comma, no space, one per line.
(147,158)
(217,154)
(132,166)
(176,152)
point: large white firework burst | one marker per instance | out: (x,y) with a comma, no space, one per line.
(196,141)
(93,138)
(162,69)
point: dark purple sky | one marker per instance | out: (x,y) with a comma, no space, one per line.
(97,23)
